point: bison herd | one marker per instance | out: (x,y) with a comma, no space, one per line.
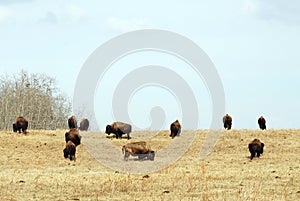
(73,138)
(141,149)
(227,122)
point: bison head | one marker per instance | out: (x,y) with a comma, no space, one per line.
(108,129)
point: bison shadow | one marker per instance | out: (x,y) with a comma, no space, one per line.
(114,136)
(137,159)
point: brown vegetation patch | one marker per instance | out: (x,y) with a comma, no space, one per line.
(33,168)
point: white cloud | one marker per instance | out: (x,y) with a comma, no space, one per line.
(5,13)
(125,25)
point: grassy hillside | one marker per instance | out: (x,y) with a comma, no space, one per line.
(33,168)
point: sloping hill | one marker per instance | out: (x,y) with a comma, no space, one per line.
(33,168)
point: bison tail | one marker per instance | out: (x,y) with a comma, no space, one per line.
(123,149)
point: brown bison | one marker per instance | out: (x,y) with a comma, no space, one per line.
(70,150)
(175,128)
(119,129)
(84,125)
(262,123)
(72,122)
(227,121)
(21,124)
(141,149)
(256,147)
(73,135)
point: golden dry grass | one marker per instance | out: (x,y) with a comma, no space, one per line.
(33,168)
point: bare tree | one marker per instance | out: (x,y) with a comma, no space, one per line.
(34,96)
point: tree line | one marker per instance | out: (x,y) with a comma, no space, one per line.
(35,97)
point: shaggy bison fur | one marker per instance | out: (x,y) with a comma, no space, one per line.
(70,150)
(119,129)
(141,149)
(73,135)
(256,147)
(72,122)
(227,121)
(84,125)
(262,123)
(175,128)
(21,124)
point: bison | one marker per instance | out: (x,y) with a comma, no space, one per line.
(256,147)
(141,149)
(84,125)
(262,123)
(72,122)
(70,150)
(175,128)
(21,124)
(73,135)
(119,129)
(227,121)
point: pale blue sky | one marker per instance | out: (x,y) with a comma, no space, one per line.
(253,44)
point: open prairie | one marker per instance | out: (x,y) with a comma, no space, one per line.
(33,168)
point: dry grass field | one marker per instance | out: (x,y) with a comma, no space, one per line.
(33,168)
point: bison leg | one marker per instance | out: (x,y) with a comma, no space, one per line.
(73,152)
(178,132)
(119,135)
(258,154)
(15,128)
(66,153)
(72,158)
(142,156)
(252,155)
(126,155)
